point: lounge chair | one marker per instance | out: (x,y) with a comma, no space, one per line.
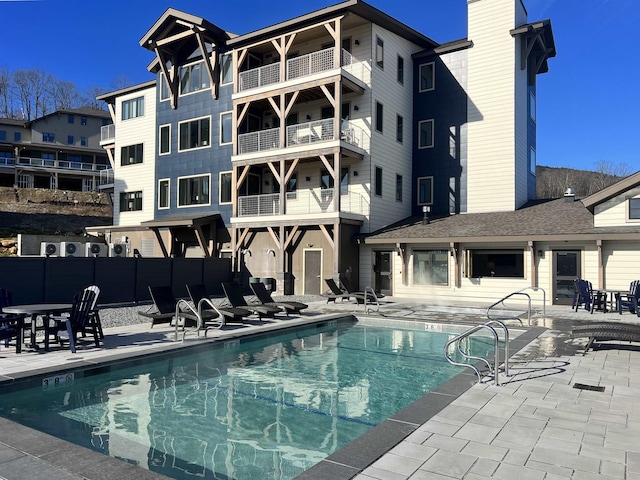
(264,297)
(630,299)
(234,296)
(165,308)
(606,331)
(335,292)
(590,298)
(206,309)
(360,295)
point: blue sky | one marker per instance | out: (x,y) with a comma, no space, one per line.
(588,102)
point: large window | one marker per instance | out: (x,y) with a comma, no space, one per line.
(425,134)
(163,193)
(165,140)
(400,73)
(634,209)
(133,108)
(379,116)
(427,77)
(227,69)
(495,263)
(378,181)
(225,187)
(48,137)
(194,78)
(193,190)
(380,52)
(226,134)
(130,201)
(430,267)
(425,190)
(195,134)
(131,154)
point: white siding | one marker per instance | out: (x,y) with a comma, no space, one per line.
(491,104)
(622,260)
(613,212)
(139,177)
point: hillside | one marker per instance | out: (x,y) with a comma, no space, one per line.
(552,182)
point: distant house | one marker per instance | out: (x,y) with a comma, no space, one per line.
(61,150)
(345,141)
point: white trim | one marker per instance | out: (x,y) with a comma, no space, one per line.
(195,204)
(432,121)
(433,77)
(220,202)
(430,202)
(230,113)
(304,267)
(160,127)
(208,145)
(627,202)
(168,180)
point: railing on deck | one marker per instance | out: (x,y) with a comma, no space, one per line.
(106,177)
(61,164)
(259,141)
(310,132)
(107,133)
(259,77)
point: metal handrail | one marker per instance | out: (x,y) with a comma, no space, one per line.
(217,325)
(183,302)
(521,292)
(465,334)
(370,290)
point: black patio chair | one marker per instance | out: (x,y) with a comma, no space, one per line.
(335,292)
(66,328)
(234,296)
(264,297)
(629,301)
(208,311)
(589,298)
(164,308)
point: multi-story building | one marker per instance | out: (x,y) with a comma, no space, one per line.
(61,150)
(286,147)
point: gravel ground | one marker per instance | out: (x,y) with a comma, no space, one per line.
(123,315)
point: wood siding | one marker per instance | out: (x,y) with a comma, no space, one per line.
(613,212)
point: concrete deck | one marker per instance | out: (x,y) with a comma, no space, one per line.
(536,425)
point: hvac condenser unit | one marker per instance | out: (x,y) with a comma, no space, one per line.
(49,249)
(117,249)
(92,249)
(71,249)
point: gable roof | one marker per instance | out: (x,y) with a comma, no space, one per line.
(546,220)
(611,191)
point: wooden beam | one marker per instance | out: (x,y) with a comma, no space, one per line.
(200,237)
(328,236)
(163,247)
(289,238)
(274,237)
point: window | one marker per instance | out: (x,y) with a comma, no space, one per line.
(430,267)
(130,201)
(380,52)
(292,186)
(48,137)
(425,134)
(532,106)
(634,209)
(225,128)
(131,154)
(193,78)
(225,187)
(193,191)
(164,88)
(227,68)
(163,193)
(427,77)
(425,190)
(3,135)
(398,188)
(400,74)
(133,108)
(378,181)
(194,134)
(83,120)
(71,118)
(379,116)
(326,181)
(532,160)
(84,141)
(70,139)
(495,263)
(17,136)
(165,139)
(399,121)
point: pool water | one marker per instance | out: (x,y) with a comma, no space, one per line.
(265,408)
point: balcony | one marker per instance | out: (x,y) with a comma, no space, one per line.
(302,66)
(107,134)
(301,202)
(299,134)
(106,177)
(58,164)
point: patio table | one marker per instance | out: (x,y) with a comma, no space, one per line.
(39,309)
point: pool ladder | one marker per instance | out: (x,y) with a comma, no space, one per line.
(529,310)
(370,298)
(184,306)
(458,342)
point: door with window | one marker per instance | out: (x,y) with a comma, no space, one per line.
(312,274)
(566,268)
(383,272)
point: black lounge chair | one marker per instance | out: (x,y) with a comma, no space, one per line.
(165,307)
(235,297)
(606,331)
(629,301)
(264,297)
(335,292)
(206,309)
(360,295)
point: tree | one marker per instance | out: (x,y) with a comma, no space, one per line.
(6,103)
(32,85)
(64,95)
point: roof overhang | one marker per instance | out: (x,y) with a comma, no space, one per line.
(611,191)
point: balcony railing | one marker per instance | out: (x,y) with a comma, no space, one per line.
(259,141)
(107,133)
(106,177)
(302,66)
(7,161)
(301,202)
(59,164)
(310,132)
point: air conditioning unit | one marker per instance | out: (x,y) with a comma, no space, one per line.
(92,249)
(49,249)
(117,249)
(71,249)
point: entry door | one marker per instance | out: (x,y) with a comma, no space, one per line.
(312,272)
(383,270)
(566,268)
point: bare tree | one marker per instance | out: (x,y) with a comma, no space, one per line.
(31,86)
(6,103)
(88,97)
(64,95)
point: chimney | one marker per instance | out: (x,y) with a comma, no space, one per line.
(569,195)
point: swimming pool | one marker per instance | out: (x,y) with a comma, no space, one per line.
(266,407)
